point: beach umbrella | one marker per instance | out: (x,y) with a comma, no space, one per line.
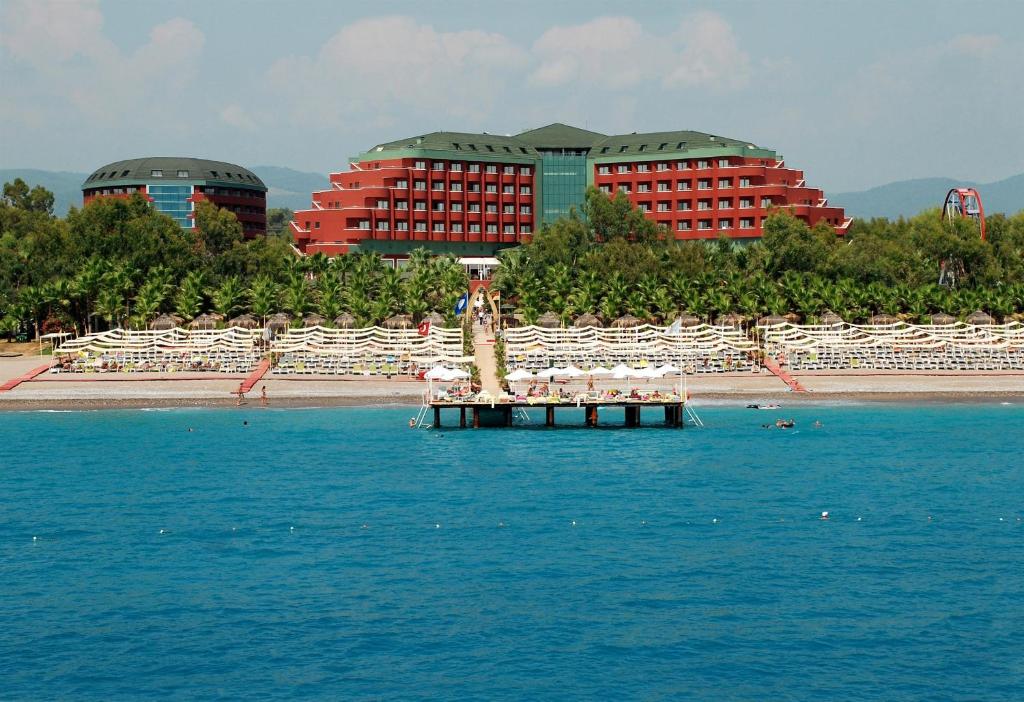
(792,317)
(772,320)
(689,320)
(245,321)
(587,320)
(627,321)
(313,320)
(883,319)
(667,368)
(278,322)
(979,318)
(456,374)
(549,320)
(344,321)
(569,372)
(203,321)
(518,375)
(599,370)
(649,373)
(435,319)
(437,373)
(730,320)
(623,371)
(399,321)
(831,318)
(943,318)
(547,372)
(166,321)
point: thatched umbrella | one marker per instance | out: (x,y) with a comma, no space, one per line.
(550,320)
(345,320)
(399,321)
(166,321)
(730,320)
(204,321)
(979,318)
(587,320)
(689,320)
(883,319)
(436,319)
(943,318)
(831,317)
(278,322)
(627,321)
(792,317)
(772,320)
(313,320)
(245,321)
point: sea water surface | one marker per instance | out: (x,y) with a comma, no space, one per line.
(337,554)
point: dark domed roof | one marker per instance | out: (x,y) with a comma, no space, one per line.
(172,168)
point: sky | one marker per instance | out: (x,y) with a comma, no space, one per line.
(856,94)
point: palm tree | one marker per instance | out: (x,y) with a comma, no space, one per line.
(228,296)
(148,301)
(263,297)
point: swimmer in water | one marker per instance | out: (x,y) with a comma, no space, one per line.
(817,424)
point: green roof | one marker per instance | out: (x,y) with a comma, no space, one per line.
(560,136)
(459,141)
(651,143)
(192,169)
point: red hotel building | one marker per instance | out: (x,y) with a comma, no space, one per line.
(174,185)
(472,194)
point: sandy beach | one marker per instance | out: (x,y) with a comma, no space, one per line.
(132,390)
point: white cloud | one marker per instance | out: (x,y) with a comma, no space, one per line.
(710,57)
(237,117)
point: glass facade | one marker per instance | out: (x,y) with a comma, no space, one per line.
(173,200)
(563,182)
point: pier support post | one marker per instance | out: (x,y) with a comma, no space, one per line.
(670,415)
(679,415)
(549,416)
(437,416)
(476,417)
(462,417)
(508,416)
(632,416)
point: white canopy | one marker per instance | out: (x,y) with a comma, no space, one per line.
(599,370)
(519,375)
(456,374)
(437,373)
(547,372)
(622,371)
(667,368)
(568,372)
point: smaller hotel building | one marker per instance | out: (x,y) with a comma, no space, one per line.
(473,194)
(174,186)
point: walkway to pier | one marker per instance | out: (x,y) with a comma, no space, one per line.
(782,375)
(258,372)
(483,349)
(15,382)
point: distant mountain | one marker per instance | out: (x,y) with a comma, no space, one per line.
(287,187)
(906,198)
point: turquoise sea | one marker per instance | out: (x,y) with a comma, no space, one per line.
(337,554)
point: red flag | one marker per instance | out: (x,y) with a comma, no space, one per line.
(423,328)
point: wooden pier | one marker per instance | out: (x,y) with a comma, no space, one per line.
(500,414)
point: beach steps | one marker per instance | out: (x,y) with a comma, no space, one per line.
(782,375)
(257,374)
(15,382)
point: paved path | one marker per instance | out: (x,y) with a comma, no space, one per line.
(15,382)
(483,348)
(782,375)
(255,376)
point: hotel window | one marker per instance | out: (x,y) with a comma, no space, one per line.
(364,224)
(643,188)
(604,170)
(766,202)
(438,166)
(525,229)
(524,210)
(156,173)
(382,204)
(662,167)
(510,170)
(703,164)
(725,224)
(474,207)
(644,207)
(456,207)
(382,225)
(456,168)
(683,226)
(438,226)
(420,165)
(438,207)
(525,170)
(508,189)
(316,225)
(508,209)
(682,166)
(624,189)
(421,226)
(664,207)
(474,168)
(704,224)
(474,229)
(492,228)
(402,184)
(725,203)
(399,205)
(747,223)
(509,229)
(664,186)
(524,190)
(746,203)
(725,182)
(492,188)
(437,185)
(456,187)
(684,205)
(420,206)
(183,174)
(744,182)
(492,208)
(474,187)
(723,163)
(643,168)
(456,228)
(492,169)
(683,184)
(623,168)
(402,226)
(703,204)
(704,184)
(607,189)
(420,184)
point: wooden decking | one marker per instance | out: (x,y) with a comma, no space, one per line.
(501,414)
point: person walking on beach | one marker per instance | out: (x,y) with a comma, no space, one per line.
(241,394)
(263,396)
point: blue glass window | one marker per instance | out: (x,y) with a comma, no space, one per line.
(563,182)
(173,200)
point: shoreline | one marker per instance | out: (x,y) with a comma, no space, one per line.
(371,400)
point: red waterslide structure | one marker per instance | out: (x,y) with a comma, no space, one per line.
(964,203)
